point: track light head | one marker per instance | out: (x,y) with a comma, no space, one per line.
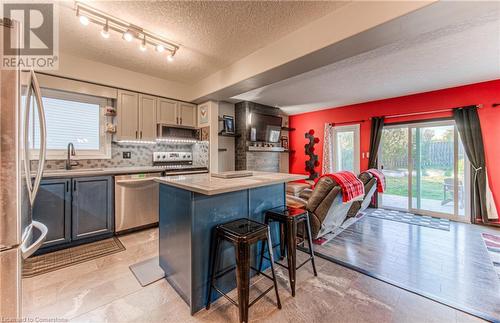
(160,48)
(128,36)
(105,31)
(84,20)
(143,46)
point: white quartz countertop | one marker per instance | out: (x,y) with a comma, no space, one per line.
(209,185)
(105,171)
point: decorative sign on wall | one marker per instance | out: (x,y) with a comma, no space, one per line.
(203,117)
(313,162)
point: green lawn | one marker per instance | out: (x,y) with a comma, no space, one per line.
(432,187)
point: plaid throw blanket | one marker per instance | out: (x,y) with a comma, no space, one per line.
(380,179)
(352,187)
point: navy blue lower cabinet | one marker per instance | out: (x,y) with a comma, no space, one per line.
(53,208)
(92,209)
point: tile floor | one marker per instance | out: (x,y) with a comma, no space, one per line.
(104,290)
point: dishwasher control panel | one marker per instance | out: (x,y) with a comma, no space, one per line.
(159,157)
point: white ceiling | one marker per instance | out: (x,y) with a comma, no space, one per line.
(212,34)
(451,56)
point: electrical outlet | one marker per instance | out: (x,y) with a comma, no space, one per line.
(127,155)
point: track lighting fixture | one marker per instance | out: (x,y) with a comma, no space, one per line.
(87,14)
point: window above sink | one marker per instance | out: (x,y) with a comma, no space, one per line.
(75,118)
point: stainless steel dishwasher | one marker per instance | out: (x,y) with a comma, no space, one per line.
(136,201)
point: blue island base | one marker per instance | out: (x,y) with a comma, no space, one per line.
(186,225)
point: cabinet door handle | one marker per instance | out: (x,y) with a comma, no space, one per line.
(181,120)
(177,120)
(67,187)
(74,186)
(136,137)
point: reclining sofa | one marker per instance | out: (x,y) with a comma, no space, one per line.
(324,203)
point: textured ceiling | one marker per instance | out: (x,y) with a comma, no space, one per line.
(451,56)
(212,34)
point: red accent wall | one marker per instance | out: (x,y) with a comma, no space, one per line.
(484,93)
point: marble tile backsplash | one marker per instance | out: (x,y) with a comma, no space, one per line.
(141,155)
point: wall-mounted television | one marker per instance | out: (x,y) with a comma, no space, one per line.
(264,128)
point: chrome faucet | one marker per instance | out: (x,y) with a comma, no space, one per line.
(71,152)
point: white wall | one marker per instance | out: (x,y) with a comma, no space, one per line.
(214,136)
(96,72)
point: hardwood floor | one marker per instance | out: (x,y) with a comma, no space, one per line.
(451,266)
(104,290)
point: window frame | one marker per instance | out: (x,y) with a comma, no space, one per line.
(104,151)
(355,128)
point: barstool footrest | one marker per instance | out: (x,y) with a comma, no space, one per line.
(285,266)
(261,295)
(225,295)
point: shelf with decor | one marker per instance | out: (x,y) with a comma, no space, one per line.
(272,149)
(226,134)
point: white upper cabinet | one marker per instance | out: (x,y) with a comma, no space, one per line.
(147,117)
(127,115)
(139,114)
(174,113)
(187,114)
(167,112)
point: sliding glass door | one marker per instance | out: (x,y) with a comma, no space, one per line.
(425,169)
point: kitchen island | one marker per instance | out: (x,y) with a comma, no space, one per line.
(191,206)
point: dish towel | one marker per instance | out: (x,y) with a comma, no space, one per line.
(380,179)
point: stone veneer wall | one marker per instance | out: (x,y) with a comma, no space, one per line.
(251,160)
(142,155)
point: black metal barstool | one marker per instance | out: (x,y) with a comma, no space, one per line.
(242,233)
(288,219)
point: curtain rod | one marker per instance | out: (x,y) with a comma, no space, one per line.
(426,112)
(345,122)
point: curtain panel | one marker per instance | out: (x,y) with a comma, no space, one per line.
(469,128)
(375,136)
(327,162)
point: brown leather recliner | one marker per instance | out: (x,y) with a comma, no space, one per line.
(325,206)
(370,183)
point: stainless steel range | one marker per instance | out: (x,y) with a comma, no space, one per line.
(174,162)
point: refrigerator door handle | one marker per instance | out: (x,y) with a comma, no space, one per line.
(26,159)
(28,250)
(35,88)
(43,135)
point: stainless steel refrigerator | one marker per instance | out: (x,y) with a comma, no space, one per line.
(20,236)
